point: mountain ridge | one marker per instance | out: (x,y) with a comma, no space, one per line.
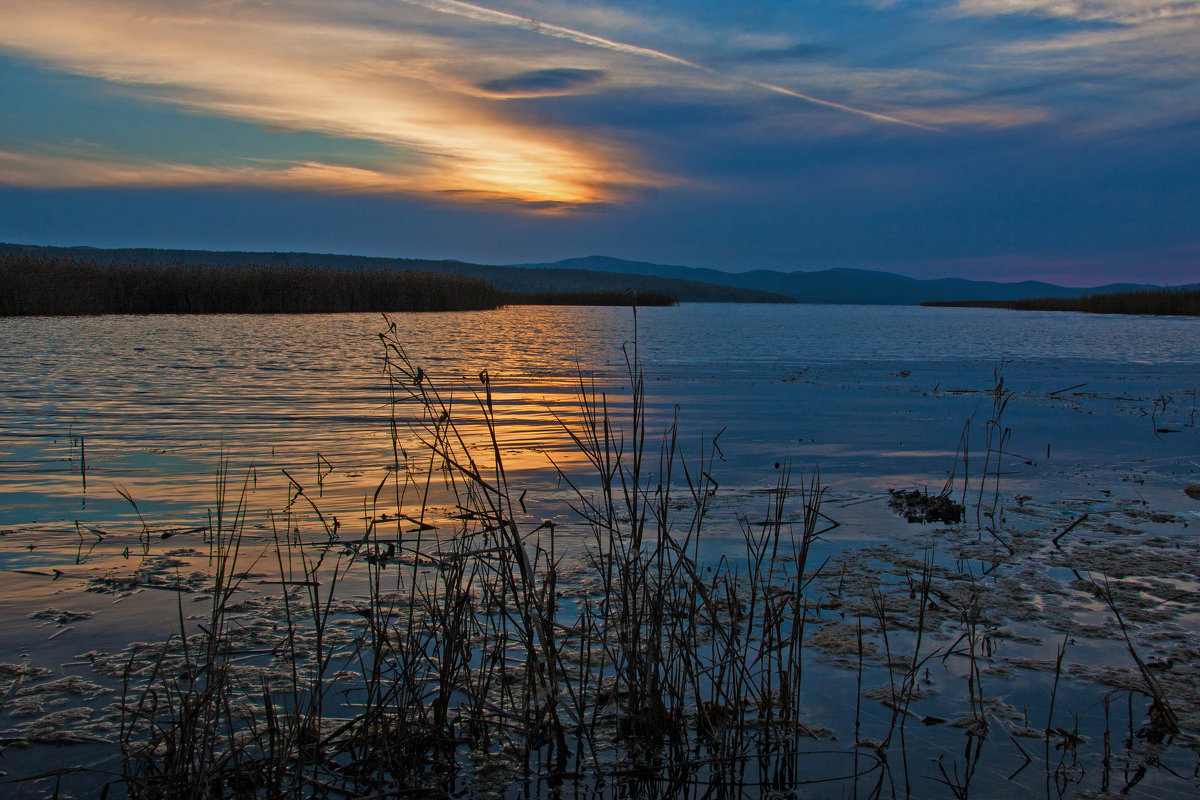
(838,285)
(845,284)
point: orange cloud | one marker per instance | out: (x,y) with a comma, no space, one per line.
(297,71)
(86,170)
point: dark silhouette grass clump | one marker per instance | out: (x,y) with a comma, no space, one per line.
(1181,302)
(40,286)
(918,506)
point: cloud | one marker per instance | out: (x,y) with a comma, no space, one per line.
(800,51)
(994,117)
(419,79)
(392,74)
(543,82)
(1123,12)
(503,18)
(295,70)
(482,14)
(93,170)
(1117,77)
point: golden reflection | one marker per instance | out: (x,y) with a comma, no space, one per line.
(531,424)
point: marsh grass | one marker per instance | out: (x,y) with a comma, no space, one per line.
(460,658)
(33,285)
(52,286)
(1180,301)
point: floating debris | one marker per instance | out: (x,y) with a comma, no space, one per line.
(13,674)
(918,506)
(60,617)
(68,726)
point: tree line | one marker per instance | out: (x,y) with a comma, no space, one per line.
(32,285)
(1181,301)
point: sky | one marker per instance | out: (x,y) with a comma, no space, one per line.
(992,139)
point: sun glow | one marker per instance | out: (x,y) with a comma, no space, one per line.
(291,70)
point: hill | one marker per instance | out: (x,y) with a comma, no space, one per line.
(604,274)
(855,286)
(504,279)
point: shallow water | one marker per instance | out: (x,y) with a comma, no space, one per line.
(112,430)
(155,401)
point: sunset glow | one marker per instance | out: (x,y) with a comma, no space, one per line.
(338,79)
(600,398)
(913,137)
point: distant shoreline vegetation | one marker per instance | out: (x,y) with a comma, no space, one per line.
(36,286)
(1181,302)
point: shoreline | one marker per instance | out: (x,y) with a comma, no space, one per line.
(1168,302)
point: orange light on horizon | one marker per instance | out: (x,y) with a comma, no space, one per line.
(289,69)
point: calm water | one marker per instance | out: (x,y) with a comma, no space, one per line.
(100,414)
(156,401)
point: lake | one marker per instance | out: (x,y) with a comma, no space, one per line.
(1031,646)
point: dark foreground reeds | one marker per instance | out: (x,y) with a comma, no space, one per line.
(1181,302)
(36,286)
(464,665)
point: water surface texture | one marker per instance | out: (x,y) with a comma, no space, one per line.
(153,402)
(1068,439)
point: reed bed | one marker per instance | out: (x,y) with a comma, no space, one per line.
(1182,302)
(33,285)
(465,658)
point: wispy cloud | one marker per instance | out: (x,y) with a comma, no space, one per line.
(392,73)
(1124,12)
(985,116)
(303,72)
(482,14)
(93,170)
(1120,65)
(429,80)
(494,17)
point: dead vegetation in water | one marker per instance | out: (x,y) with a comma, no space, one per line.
(917,506)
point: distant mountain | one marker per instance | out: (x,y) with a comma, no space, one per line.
(506,279)
(857,286)
(600,273)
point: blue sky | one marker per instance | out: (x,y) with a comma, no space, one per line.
(997,139)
